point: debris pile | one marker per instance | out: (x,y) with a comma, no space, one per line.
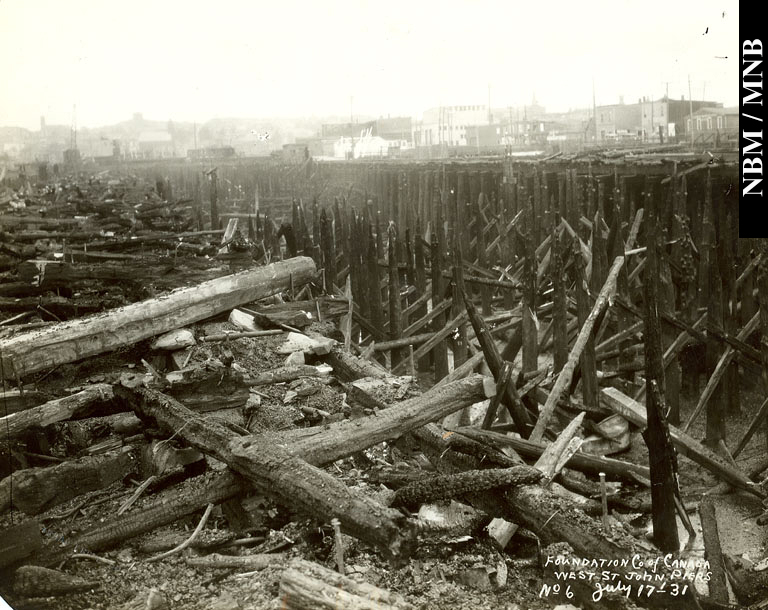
(498,419)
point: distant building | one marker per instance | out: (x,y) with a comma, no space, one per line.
(664,120)
(295,153)
(396,129)
(345,130)
(155,145)
(618,122)
(714,126)
(450,125)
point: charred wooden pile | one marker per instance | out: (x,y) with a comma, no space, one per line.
(549,312)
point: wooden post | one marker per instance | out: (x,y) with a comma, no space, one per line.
(395,322)
(329,251)
(421,279)
(214,199)
(485,292)
(716,406)
(459,344)
(588,361)
(559,309)
(440,352)
(661,453)
(530,332)
(374,286)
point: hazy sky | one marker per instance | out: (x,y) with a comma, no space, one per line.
(192,60)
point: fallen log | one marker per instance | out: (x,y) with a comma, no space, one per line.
(67,342)
(287,373)
(305,585)
(277,472)
(239,562)
(79,405)
(347,437)
(348,368)
(35,490)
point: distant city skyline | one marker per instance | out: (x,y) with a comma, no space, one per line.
(188,62)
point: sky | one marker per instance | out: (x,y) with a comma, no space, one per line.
(102,60)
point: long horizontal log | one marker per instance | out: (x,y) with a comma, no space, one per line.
(67,342)
(171,507)
(635,413)
(334,441)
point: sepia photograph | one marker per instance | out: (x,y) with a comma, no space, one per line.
(361,306)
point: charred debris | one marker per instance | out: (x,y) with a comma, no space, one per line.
(359,385)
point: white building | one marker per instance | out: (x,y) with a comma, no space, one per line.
(450,125)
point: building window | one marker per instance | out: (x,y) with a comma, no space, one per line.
(709,123)
(698,124)
(719,122)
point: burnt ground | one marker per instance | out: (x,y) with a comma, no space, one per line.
(461,569)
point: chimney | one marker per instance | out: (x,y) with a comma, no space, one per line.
(621,100)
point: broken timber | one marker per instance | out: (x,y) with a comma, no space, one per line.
(566,374)
(70,341)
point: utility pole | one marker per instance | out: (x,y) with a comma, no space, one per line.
(490,117)
(690,107)
(594,110)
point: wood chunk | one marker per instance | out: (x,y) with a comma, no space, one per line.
(748,585)
(174,340)
(19,542)
(79,405)
(150,600)
(305,585)
(35,490)
(39,582)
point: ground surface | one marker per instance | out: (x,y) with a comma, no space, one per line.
(458,570)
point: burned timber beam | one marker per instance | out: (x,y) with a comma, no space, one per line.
(70,341)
